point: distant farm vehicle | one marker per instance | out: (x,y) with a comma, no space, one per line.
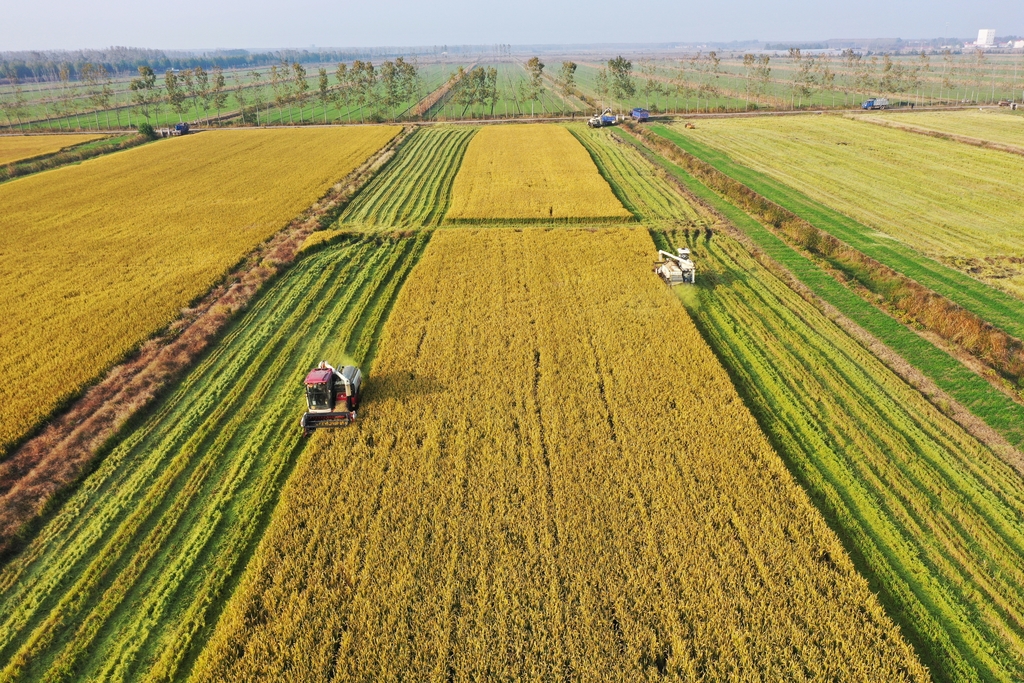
(640,115)
(180,129)
(691,126)
(875,103)
(332,397)
(605,118)
(676,269)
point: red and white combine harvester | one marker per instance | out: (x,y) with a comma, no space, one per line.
(332,397)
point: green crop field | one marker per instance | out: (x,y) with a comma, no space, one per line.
(951,202)
(925,508)
(127,577)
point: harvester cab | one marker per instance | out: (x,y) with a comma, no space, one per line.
(332,396)
(676,269)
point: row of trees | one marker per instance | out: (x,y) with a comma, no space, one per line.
(959,78)
(482,87)
(360,85)
(701,77)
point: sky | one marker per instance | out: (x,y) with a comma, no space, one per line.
(70,24)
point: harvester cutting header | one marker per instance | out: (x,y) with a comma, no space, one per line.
(332,396)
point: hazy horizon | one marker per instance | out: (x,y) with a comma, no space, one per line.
(67,24)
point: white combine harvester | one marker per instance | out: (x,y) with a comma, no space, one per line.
(676,269)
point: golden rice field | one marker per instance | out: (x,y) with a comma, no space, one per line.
(991,125)
(532,172)
(948,200)
(17,147)
(95,258)
(554,478)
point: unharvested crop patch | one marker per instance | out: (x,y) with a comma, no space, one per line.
(553,477)
(536,172)
(94,258)
(127,578)
(17,147)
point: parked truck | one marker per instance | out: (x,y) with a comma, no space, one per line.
(875,103)
(640,115)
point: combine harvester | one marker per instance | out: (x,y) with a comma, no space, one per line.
(332,397)
(676,269)
(605,118)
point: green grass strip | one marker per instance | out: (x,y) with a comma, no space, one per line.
(999,308)
(981,398)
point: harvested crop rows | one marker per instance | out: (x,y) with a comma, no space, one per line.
(638,184)
(18,147)
(998,127)
(126,579)
(528,497)
(95,258)
(927,510)
(949,201)
(531,173)
(415,187)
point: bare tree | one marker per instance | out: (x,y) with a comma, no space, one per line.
(535,69)
(344,79)
(301,86)
(323,90)
(258,95)
(218,93)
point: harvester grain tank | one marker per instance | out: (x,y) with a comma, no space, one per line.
(332,396)
(676,269)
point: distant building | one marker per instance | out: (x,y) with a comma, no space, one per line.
(1018,44)
(986,37)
